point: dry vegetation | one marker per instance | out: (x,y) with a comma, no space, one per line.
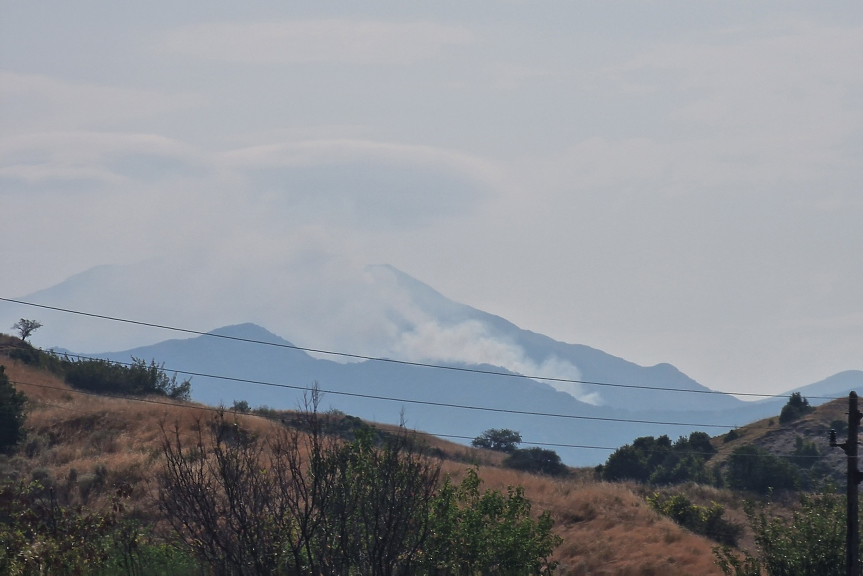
(83,443)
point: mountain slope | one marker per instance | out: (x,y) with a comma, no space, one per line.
(592,364)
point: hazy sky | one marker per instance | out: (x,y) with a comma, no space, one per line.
(667,181)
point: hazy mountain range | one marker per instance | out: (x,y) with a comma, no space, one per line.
(425,326)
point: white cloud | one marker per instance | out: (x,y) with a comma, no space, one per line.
(335,151)
(35,102)
(294,42)
(99,157)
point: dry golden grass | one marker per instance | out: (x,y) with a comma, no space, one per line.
(607,529)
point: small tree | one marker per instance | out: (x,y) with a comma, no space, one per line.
(501,440)
(796,407)
(26,327)
(11,414)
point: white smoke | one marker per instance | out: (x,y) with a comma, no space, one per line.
(470,342)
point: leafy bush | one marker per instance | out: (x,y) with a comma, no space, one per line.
(751,468)
(538,460)
(241,406)
(813,542)
(135,379)
(705,520)
(501,440)
(12,415)
(659,461)
(487,533)
(732,435)
(41,536)
(797,407)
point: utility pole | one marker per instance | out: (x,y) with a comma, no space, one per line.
(852,538)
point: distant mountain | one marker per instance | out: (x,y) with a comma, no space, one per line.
(822,391)
(590,364)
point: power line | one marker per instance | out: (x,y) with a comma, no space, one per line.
(430,402)
(396,361)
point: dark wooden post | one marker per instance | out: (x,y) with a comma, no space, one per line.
(852,536)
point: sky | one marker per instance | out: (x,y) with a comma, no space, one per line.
(666,181)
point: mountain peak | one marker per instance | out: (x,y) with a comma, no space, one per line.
(249,331)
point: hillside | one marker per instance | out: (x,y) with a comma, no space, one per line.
(780,439)
(85,446)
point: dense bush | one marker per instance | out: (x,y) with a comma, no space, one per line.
(41,536)
(796,407)
(659,461)
(706,520)
(501,440)
(135,379)
(751,468)
(812,542)
(476,532)
(104,376)
(536,460)
(12,415)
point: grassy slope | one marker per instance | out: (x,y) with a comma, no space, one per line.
(607,528)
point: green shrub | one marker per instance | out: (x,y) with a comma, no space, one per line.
(751,468)
(41,536)
(797,407)
(812,542)
(659,461)
(537,460)
(705,520)
(12,415)
(241,406)
(487,532)
(135,379)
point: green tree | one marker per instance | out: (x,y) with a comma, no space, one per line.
(12,414)
(501,440)
(661,461)
(796,407)
(751,468)
(626,463)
